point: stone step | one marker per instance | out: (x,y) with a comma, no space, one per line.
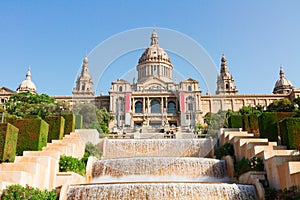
(36,169)
(17,177)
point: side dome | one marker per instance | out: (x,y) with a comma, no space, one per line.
(283,85)
(27,84)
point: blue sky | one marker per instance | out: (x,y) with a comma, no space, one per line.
(52,37)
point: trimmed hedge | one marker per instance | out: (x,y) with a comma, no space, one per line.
(56,127)
(8,142)
(69,123)
(290,132)
(33,135)
(253,122)
(246,123)
(78,121)
(268,127)
(235,121)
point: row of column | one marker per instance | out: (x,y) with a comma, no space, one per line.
(163,104)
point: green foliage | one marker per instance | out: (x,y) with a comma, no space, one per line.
(247,110)
(245,165)
(91,150)
(226,149)
(94,117)
(18,192)
(198,127)
(268,126)
(241,167)
(68,163)
(256,164)
(69,123)
(289,194)
(253,123)
(235,121)
(218,120)
(290,132)
(281,105)
(8,142)
(78,121)
(25,103)
(33,135)
(56,127)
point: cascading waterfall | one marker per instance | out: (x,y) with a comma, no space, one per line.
(159,169)
(161,166)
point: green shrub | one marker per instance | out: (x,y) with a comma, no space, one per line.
(91,150)
(68,163)
(33,135)
(256,164)
(18,192)
(253,122)
(56,127)
(241,167)
(289,194)
(69,123)
(235,121)
(246,123)
(78,121)
(290,132)
(245,165)
(268,127)
(226,149)
(8,142)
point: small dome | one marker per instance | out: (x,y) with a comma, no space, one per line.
(154,53)
(27,84)
(282,85)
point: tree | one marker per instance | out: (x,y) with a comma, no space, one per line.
(25,103)
(246,110)
(281,105)
(94,117)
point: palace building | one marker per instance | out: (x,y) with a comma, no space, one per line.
(154,100)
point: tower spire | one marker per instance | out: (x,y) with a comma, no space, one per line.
(84,83)
(225,83)
(154,37)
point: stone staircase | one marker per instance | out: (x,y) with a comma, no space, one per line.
(41,168)
(282,166)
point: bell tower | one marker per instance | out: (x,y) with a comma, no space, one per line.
(84,83)
(225,83)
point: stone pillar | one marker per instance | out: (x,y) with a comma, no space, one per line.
(162,105)
(166,104)
(144,106)
(133,105)
(148,105)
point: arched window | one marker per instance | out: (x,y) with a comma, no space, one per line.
(120,89)
(189,88)
(138,107)
(227,86)
(120,104)
(171,107)
(155,107)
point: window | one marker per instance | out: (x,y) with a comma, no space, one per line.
(227,86)
(120,89)
(189,88)
(138,107)
(171,107)
(155,107)
(190,106)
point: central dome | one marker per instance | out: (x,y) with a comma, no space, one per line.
(155,62)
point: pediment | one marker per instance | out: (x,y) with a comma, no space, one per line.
(189,80)
(5,90)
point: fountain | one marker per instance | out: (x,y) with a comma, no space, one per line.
(160,169)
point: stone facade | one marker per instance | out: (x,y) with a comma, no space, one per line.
(155,100)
